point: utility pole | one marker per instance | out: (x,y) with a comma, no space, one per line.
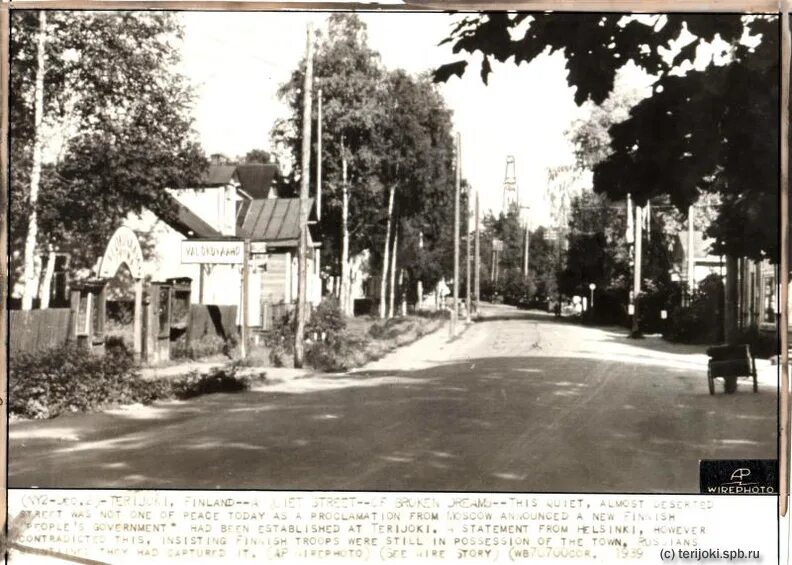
(691,258)
(319,154)
(477,269)
(467,262)
(345,296)
(637,272)
(302,263)
(455,308)
(783,271)
(527,242)
(243,342)
(419,284)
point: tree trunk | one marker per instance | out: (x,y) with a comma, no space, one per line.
(403,291)
(730,333)
(350,302)
(46,283)
(29,275)
(385,256)
(394,254)
(345,282)
(636,320)
(419,284)
(302,263)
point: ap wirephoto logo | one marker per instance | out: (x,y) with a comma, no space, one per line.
(738,476)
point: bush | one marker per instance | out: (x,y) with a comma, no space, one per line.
(377,330)
(610,307)
(763,344)
(340,353)
(326,322)
(702,321)
(205,346)
(280,341)
(219,380)
(434,314)
(70,379)
(326,319)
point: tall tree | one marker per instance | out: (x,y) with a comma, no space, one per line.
(392,133)
(417,168)
(113,98)
(29,275)
(351,78)
(257,156)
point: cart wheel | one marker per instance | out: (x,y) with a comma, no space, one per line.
(710,381)
(756,383)
(730,385)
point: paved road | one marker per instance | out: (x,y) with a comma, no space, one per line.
(519,402)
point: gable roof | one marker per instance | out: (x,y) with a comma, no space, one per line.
(256,178)
(275,221)
(180,218)
(219,174)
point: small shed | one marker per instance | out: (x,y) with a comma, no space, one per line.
(276,222)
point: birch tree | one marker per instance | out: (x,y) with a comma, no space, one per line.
(29,267)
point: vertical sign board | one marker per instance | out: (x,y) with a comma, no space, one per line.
(230,252)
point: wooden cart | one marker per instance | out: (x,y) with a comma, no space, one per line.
(730,362)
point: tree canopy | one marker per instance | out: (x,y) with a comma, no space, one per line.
(711,129)
(113,96)
(394,130)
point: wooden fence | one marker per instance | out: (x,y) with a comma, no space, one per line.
(37,330)
(272,314)
(212,320)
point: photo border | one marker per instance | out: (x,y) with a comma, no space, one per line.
(781,7)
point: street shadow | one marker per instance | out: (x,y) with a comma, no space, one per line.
(532,315)
(655,344)
(505,424)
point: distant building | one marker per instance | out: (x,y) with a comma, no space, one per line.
(705,263)
(757,291)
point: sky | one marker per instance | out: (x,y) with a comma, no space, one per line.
(237,61)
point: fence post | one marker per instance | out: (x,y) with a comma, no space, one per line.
(74,314)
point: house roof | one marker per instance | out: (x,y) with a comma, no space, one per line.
(219,174)
(180,218)
(275,221)
(256,178)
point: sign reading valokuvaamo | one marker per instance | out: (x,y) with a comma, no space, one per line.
(245,527)
(228,252)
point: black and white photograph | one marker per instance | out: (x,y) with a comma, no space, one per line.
(393,251)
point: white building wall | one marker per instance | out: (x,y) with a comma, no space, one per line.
(162,260)
(214,205)
(161,250)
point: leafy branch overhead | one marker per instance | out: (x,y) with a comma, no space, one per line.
(710,124)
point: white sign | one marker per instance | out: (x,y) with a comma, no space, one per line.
(123,247)
(213,252)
